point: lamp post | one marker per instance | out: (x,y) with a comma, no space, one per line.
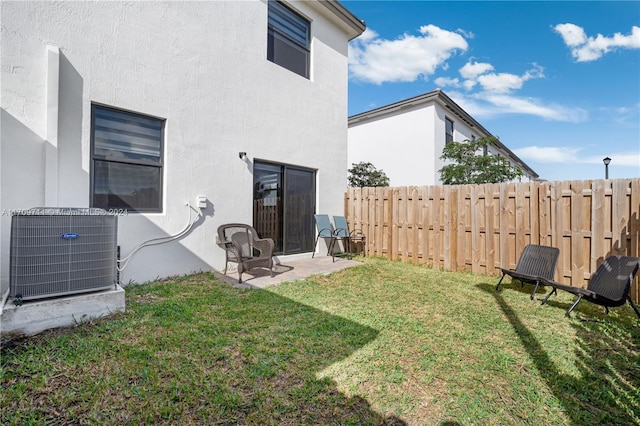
(606,161)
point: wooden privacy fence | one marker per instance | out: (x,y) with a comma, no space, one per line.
(482,228)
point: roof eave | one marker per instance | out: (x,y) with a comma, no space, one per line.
(355,26)
(448,103)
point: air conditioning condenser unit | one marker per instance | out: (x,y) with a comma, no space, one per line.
(61,251)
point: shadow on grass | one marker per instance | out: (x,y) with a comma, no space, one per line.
(190,351)
(607,388)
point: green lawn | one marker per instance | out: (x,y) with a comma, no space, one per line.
(381,343)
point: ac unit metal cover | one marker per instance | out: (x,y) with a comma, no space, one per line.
(62,251)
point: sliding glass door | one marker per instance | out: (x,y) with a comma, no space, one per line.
(284,202)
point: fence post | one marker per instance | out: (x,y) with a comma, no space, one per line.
(475,228)
(416,224)
(577,229)
(491,223)
(544,214)
(620,216)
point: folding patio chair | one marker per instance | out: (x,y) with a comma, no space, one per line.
(609,286)
(350,237)
(537,264)
(325,230)
(243,246)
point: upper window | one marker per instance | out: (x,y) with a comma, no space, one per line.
(126,166)
(288,39)
(448,131)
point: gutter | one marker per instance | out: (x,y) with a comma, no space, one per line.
(357,25)
(448,103)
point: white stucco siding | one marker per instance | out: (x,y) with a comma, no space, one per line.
(307,118)
(421,121)
(202,67)
(399,144)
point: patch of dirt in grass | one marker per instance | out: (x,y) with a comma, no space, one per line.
(145,298)
(425,405)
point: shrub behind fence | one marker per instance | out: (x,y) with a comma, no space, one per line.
(482,228)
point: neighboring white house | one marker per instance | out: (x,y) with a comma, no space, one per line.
(144,107)
(405,139)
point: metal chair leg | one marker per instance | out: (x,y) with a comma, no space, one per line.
(535,289)
(497,287)
(332,244)
(315,244)
(573,306)
(548,296)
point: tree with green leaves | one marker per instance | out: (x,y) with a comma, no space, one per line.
(364,174)
(468,166)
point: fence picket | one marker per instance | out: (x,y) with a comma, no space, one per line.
(485,227)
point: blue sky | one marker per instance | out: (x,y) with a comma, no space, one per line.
(557,82)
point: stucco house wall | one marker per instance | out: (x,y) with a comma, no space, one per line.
(201,66)
(399,144)
(406,139)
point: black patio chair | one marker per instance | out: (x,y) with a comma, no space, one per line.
(243,246)
(537,264)
(609,286)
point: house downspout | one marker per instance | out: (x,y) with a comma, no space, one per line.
(51,131)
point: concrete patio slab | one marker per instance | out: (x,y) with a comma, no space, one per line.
(286,271)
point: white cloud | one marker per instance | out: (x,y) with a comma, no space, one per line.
(496,94)
(475,107)
(487,105)
(466,34)
(586,49)
(446,81)
(376,60)
(625,115)
(572,35)
(500,83)
(571,155)
(468,84)
(473,70)
(619,159)
(485,91)
(480,73)
(368,35)
(531,106)
(549,154)
(506,82)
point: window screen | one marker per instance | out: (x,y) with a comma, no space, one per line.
(126,168)
(448,131)
(288,39)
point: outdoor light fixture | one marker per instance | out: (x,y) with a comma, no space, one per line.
(242,155)
(606,161)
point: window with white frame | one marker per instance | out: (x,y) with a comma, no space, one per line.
(288,38)
(448,136)
(126,160)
